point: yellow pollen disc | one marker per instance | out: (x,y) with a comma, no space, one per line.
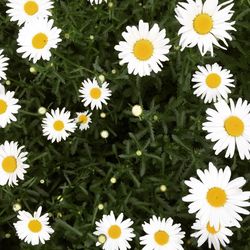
(58,125)
(83,119)
(213,80)
(234,126)
(203,23)
(161,237)
(143,49)
(211,230)
(35,226)
(95,93)
(3,106)
(216,197)
(39,41)
(114,232)
(31,8)
(9,164)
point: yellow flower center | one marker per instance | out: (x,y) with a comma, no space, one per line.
(95,93)
(234,126)
(212,230)
(3,106)
(40,40)
(114,232)
(83,119)
(9,164)
(216,197)
(213,80)
(203,23)
(161,237)
(35,226)
(58,125)
(143,49)
(31,8)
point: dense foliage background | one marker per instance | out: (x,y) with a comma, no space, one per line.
(77,172)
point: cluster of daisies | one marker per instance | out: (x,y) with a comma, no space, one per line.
(203,25)
(58,124)
(33,229)
(112,233)
(216,200)
(217,203)
(227,123)
(37,35)
(115,233)
(144,49)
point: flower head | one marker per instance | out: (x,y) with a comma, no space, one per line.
(33,229)
(37,38)
(215,199)
(229,126)
(58,125)
(144,49)
(204,24)
(114,233)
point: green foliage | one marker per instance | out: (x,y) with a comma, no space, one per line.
(77,172)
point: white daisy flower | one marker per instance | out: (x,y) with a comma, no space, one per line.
(36,38)
(8,107)
(33,229)
(229,126)
(216,199)
(58,125)
(212,82)
(214,237)
(93,94)
(97,1)
(3,65)
(83,119)
(12,163)
(28,10)
(162,234)
(114,234)
(204,24)
(144,49)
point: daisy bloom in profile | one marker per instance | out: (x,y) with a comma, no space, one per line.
(204,24)
(114,234)
(144,49)
(33,229)
(162,234)
(97,1)
(36,38)
(3,65)
(83,119)
(229,126)
(8,107)
(58,125)
(204,232)
(216,199)
(28,10)
(12,163)
(93,94)
(212,82)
